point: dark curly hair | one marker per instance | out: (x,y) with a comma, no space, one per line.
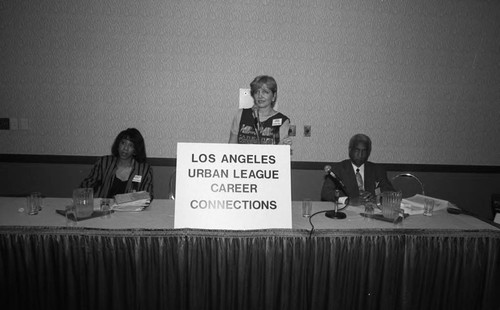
(134,136)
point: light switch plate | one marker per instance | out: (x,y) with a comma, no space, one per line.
(246,100)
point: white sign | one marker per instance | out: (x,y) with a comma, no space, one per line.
(233,186)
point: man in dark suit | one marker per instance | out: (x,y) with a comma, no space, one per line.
(363,180)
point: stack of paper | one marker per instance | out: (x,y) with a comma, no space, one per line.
(132,202)
(415,204)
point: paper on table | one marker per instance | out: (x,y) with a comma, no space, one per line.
(129,197)
(132,202)
(415,204)
(133,206)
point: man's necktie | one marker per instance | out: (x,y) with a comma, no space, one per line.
(359,180)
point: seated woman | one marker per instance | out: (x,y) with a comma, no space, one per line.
(124,171)
(261,124)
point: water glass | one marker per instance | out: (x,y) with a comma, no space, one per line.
(306,207)
(37,200)
(105,206)
(83,200)
(71,215)
(428,207)
(369,210)
(32,205)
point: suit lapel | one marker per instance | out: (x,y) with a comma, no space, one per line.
(369,178)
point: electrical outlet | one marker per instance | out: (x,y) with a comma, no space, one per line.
(292,131)
(4,124)
(307,130)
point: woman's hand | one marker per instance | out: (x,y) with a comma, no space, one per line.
(287,141)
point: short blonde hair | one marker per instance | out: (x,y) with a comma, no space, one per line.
(262,80)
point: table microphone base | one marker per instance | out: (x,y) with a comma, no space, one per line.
(335,215)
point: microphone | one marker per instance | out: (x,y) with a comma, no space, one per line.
(255,114)
(328,171)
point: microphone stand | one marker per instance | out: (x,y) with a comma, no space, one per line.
(335,214)
(255,113)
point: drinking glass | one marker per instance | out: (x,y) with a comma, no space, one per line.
(369,210)
(37,200)
(31,205)
(105,206)
(71,215)
(428,207)
(83,200)
(306,207)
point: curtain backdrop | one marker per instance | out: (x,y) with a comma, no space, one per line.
(63,268)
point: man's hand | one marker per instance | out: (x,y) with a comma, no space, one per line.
(366,196)
(363,198)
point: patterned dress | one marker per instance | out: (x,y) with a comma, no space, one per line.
(269,129)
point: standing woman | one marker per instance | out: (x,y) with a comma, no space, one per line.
(125,170)
(261,124)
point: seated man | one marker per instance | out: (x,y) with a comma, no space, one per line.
(363,180)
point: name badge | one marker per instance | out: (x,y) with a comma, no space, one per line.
(137,178)
(277,122)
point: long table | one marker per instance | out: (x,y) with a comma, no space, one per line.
(136,260)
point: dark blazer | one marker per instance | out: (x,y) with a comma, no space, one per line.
(375,176)
(103,173)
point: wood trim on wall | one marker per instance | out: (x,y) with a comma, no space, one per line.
(299,165)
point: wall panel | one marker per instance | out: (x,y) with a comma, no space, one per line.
(420,77)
